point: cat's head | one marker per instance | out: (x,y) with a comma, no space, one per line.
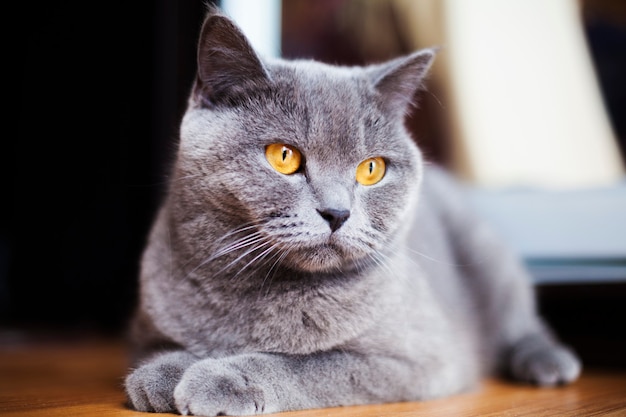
(311,161)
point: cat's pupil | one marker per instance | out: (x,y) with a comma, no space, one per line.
(284,154)
(371,166)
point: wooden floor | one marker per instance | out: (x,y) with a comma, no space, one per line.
(84,378)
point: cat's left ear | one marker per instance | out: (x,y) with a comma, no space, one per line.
(399,79)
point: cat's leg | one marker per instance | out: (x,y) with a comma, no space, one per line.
(262,383)
(514,337)
(526,347)
(150,387)
(520,342)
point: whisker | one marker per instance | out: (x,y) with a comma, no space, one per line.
(257,257)
(246,241)
(436,98)
(238,244)
(439,261)
(280,256)
(243,255)
(240,229)
(210,243)
(377,258)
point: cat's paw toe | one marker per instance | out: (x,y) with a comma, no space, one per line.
(547,366)
(150,387)
(147,390)
(210,389)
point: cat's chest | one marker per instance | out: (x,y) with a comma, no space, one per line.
(295,321)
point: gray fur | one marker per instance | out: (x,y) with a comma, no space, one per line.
(250,303)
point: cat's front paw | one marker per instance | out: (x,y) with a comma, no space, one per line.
(213,387)
(545,365)
(150,387)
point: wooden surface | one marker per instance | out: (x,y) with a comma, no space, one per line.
(84,378)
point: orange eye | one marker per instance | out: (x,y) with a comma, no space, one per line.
(370,171)
(283,158)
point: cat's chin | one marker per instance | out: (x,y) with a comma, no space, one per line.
(321,259)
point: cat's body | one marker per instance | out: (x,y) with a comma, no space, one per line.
(265,291)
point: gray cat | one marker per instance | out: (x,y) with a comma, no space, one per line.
(305,256)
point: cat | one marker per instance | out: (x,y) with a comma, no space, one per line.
(307,256)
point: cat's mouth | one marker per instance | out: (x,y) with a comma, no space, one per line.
(319,258)
(322,257)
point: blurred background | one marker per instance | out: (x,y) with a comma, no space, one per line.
(526,103)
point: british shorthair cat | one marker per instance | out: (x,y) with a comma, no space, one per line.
(306,256)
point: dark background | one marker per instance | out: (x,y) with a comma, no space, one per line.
(100,88)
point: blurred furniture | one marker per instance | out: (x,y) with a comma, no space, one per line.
(565,236)
(522,93)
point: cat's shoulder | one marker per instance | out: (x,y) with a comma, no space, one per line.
(441,181)
(445,194)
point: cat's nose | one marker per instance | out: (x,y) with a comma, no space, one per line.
(335,218)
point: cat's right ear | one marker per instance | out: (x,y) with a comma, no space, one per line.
(228,66)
